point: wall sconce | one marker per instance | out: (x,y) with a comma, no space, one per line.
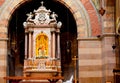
(99,36)
(102,11)
(113,46)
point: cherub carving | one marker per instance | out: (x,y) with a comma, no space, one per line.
(29,18)
(53,16)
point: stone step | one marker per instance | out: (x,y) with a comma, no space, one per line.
(34,81)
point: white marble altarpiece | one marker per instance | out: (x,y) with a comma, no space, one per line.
(42,43)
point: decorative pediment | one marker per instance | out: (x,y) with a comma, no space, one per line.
(42,43)
(41,16)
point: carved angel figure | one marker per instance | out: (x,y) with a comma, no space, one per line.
(53,15)
(29,18)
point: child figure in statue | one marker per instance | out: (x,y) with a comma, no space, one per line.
(42,51)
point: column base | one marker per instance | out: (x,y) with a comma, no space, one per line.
(34,81)
(75,81)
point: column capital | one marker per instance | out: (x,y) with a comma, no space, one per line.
(26,30)
(53,30)
(30,31)
(4,39)
(58,31)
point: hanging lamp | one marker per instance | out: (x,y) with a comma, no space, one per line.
(102,10)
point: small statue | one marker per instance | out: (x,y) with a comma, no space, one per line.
(30,15)
(53,15)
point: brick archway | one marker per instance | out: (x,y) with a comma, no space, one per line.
(84,13)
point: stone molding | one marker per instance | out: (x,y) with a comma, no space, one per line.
(97,38)
(3,39)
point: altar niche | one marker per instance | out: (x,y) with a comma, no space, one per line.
(42,43)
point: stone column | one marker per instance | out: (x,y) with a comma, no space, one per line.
(30,44)
(53,44)
(3,59)
(26,45)
(58,45)
(58,56)
(58,48)
(58,39)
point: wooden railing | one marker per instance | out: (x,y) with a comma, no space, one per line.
(19,78)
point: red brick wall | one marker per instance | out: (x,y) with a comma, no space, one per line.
(95,24)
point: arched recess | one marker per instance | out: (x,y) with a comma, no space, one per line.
(16,32)
(87,21)
(83,12)
(41,43)
(78,9)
